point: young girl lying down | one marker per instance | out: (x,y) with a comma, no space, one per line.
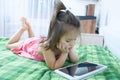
(56,47)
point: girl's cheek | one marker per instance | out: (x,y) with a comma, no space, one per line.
(65,43)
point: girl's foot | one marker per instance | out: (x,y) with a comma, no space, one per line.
(25,24)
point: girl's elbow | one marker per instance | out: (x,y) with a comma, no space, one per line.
(7,46)
(53,67)
(75,60)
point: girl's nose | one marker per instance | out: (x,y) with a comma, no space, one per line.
(72,43)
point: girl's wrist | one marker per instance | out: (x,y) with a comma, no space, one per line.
(65,52)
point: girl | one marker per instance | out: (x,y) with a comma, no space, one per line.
(54,50)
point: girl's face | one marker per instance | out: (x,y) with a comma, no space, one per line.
(68,39)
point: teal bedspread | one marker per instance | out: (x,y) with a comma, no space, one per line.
(14,67)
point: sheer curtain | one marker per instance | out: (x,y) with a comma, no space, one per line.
(37,12)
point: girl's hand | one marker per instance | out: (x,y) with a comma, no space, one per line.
(63,47)
(72,56)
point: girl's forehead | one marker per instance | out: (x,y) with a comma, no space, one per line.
(70,31)
(71,34)
(70,28)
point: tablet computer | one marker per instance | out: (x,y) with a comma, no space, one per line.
(81,70)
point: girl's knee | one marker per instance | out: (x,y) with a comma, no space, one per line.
(13,45)
(7,46)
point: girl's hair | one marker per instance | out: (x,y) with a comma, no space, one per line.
(57,28)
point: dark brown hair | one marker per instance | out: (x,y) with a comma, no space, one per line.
(57,29)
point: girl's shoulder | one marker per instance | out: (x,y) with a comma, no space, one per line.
(43,49)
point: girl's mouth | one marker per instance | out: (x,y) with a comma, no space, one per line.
(70,48)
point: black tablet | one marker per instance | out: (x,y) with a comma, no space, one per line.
(80,71)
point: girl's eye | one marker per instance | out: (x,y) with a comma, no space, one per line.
(67,40)
(70,40)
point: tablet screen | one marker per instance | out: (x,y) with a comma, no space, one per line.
(80,69)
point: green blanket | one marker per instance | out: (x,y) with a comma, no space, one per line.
(14,67)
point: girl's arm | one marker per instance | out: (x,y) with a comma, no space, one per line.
(51,60)
(72,56)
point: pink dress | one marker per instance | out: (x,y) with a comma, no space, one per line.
(29,49)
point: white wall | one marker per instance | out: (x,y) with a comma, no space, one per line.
(111,31)
(78,7)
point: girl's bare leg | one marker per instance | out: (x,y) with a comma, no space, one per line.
(14,40)
(30,32)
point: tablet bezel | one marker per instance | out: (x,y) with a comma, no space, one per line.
(84,76)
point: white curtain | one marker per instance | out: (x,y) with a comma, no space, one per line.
(37,12)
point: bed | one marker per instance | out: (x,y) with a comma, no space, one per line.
(14,67)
